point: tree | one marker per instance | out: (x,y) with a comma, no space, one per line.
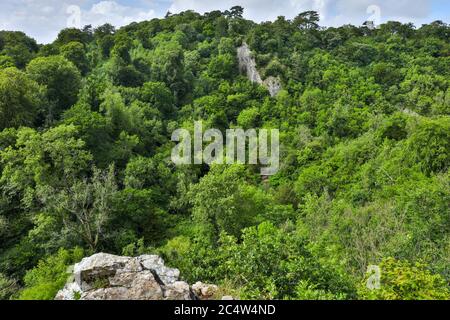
(307,20)
(21,99)
(223,66)
(104,30)
(94,129)
(122,46)
(158,95)
(53,158)
(106,44)
(236,12)
(19,54)
(62,80)
(8,287)
(223,202)
(168,65)
(75,53)
(429,145)
(85,206)
(151,174)
(18,46)
(221,27)
(6,62)
(128,76)
(69,35)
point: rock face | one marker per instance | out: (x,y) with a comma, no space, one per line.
(247,64)
(273,85)
(204,291)
(108,277)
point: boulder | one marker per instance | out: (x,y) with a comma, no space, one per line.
(204,291)
(156,264)
(179,290)
(108,277)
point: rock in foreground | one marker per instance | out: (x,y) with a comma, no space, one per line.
(108,277)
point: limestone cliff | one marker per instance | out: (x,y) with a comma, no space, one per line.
(247,64)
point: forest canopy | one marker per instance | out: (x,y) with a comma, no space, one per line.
(364,119)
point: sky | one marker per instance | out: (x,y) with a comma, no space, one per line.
(43,19)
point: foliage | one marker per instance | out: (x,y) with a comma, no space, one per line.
(50,275)
(21,99)
(401,280)
(84,207)
(85,145)
(61,79)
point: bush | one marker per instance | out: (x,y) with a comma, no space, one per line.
(44,281)
(401,280)
(269,263)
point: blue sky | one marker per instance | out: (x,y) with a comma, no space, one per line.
(42,19)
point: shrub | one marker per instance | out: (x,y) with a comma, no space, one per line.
(50,275)
(402,280)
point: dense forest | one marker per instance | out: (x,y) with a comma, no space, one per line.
(85,145)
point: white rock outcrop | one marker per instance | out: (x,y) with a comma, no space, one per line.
(108,277)
(247,64)
(204,291)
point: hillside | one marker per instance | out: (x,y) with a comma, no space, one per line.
(364,121)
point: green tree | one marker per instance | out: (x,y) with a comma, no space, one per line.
(69,35)
(52,158)
(62,80)
(307,20)
(236,12)
(75,53)
(158,95)
(223,67)
(21,99)
(6,62)
(429,145)
(18,46)
(85,206)
(223,202)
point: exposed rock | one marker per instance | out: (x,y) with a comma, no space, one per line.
(69,292)
(204,291)
(247,64)
(227,298)
(98,266)
(155,263)
(108,277)
(128,286)
(273,85)
(179,291)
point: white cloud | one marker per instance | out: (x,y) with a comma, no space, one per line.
(43,19)
(114,13)
(333,12)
